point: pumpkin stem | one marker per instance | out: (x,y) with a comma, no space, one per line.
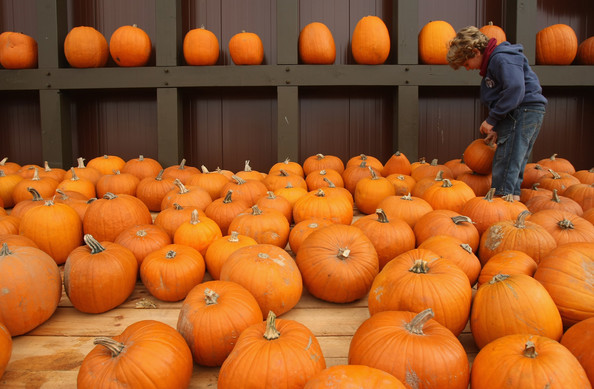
(490,194)
(238,180)
(141,157)
(434,162)
(343,253)
(466,247)
(415,326)
(48,203)
(35,194)
(330,183)
(320,193)
(210,297)
(35,175)
(81,162)
(381,216)
(93,244)
(363,164)
(227,198)
(74,176)
(3,162)
(556,196)
(461,219)
(171,254)
(234,237)
(374,176)
(63,196)
(407,197)
(566,224)
(439,176)
(498,278)
(555,175)
(182,164)
(141,233)
(194,217)
(419,267)
(2,174)
(177,207)
(182,188)
(521,220)
(112,345)
(283,173)
(446,183)
(318,156)
(270,195)
(204,169)
(271,332)
(160,175)
(247,167)
(287,160)
(530,350)
(4,251)
(256,210)
(109,196)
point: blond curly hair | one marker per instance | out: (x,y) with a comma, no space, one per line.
(461,47)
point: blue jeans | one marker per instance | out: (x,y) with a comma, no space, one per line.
(516,135)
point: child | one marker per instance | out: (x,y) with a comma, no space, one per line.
(512,92)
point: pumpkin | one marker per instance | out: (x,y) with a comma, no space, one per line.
(181,172)
(99,276)
(287,354)
(266,226)
(419,279)
(507,262)
(200,47)
(434,39)
(585,176)
(246,48)
(143,239)
(566,273)
(7,184)
(171,218)
(585,53)
(534,311)
(456,251)
(55,173)
(316,44)
(197,232)
(269,273)
(401,343)
(212,182)
(17,240)
(56,228)
(315,180)
(5,165)
(446,222)
(528,193)
(82,171)
(220,249)
(187,196)
(554,201)
(337,208)
(457,166)
(23,206)
(45,187)
(106,164)
(31,288)
(419,188)
(108,216)
(74,183)
(278,203)
(582,194)
(212,317)
(338,263)
(152,190)
(320,162)
(280,178)
(301,230)
(19,51)
(564,226)
(130,46)
(142,167)
(370,191)
(27,171)
(224,209)
(5,348)
(353,376)
(117,183)
(532,173)
(390,237)
(9,224)
(479,183)
(408,208)
(398,163)
(493,31)
(560,165)
(129,359)
(370,43)
(451,194)
(526,361)
(248,190)
(589,215)
(519,234)
(249,174)
(369,161)
(288,166)
(478,156)
(578,339)
(556,45)
(403,184)
(85,47)
(170,272)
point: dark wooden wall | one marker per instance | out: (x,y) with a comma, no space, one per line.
(225,126)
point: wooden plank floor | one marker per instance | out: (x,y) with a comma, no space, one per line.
(50,355)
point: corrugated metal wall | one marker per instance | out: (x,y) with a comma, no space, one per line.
(225,126)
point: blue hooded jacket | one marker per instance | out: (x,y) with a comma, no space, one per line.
(509,82)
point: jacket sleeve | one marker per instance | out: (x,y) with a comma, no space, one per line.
(510,76)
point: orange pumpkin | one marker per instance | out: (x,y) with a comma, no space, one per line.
(320,162)
(85,47)
(246,48)
(370,43)
(152,190)
(197,232)
(224,209)
(142,167)
(356,376)
(493,31)
(220,249)
(130,46)
(106,164)
(578,339)
(370,191)
(507,262)
(556,45)
(5,348)
(478,156)
(398,163)
(19,51)
(201,47)
(301,230)
(585,53)
(143,239)
(408,208)
(316,44)
(433,42)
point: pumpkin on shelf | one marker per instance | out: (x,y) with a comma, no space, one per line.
(408,208)
(142,167)
(7,166)
(248,190)
(320,162)
(45,186)
(224,209)
(555,201)
(99,276)
(143,239)
(316,44)
(266,226)
(182,171)
(269,273)
(200,47)
(85,47)
(585,176)
(126,358)
(493,31)
(82,171)
(532,173)
(582,194)
(370,191)
(558,164)
(585,53)
(403,184)
(246,48)
(220,249)
(507,262)
(106,164)
(74,183)
(171,218)
(451,194)
(22,207)
(370,43)
(17,240)
(356,376)
(556,44)
(479,183)
(198,232)
(19,51)
(211,181)
(401,342)
(557,180)
(170,272)
(301,230)
(288,166)
(187,196)
(518,356)
(117,183)
(447,222)
(398,163)
(32,288)
(534,311)
(318,204)
(212,317)
(130,46)
(278,203)
(315,179)
(433,42)
(7,184)
(152,190)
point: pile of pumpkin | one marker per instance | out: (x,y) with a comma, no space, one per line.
(416,238)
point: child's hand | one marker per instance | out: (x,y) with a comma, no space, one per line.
(487,129)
